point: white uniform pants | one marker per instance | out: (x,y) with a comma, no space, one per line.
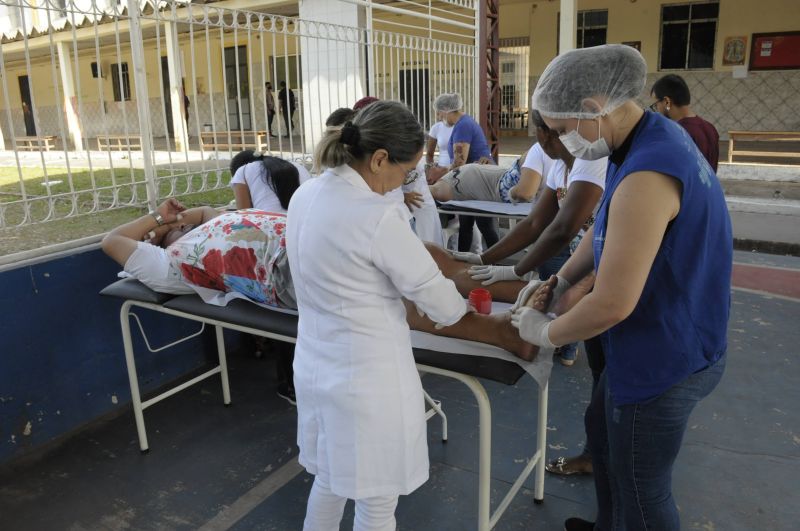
(325,509)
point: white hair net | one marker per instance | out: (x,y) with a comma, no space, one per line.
(610,75)
(448,102)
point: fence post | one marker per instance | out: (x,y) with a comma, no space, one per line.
(142,102)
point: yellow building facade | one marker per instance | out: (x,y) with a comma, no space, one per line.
(730,96)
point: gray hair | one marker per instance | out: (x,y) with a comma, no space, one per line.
(448,102)
(388,125)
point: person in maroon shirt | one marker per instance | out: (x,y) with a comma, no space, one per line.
(672,98)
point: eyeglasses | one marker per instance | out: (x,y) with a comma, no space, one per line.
(654,104)
(411,176)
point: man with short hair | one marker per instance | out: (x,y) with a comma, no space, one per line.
(672,98)
(288,105)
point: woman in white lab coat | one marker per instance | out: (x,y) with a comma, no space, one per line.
(353,255)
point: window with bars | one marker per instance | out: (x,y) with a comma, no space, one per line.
(688,35)
(507,68)
(508,96)
(121,82)
(592,28)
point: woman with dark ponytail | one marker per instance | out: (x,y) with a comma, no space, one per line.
(354,257)
(264,182)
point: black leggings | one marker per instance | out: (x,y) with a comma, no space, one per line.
(485,225)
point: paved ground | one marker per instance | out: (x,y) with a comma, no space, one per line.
(212,467)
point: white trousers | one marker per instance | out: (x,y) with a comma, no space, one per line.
(325,509)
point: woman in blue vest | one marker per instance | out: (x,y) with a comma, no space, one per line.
(661,249)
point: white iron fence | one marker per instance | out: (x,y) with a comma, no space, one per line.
(111,104)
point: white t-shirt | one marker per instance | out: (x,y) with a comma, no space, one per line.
(441,132)
(151,266)
(591,171)
(538,161)
(253,175)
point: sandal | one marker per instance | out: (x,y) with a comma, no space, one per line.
(570,466)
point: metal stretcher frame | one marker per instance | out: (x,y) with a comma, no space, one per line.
(486,519)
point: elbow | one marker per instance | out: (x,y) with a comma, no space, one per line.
(107,242)
(524,197)
(613,312)
(561,233)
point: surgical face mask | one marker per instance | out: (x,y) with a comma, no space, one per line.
(581,148)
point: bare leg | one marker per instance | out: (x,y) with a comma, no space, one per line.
(458,272)
(494,329)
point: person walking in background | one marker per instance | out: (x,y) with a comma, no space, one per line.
(672,98)
(288,106)
(269,100)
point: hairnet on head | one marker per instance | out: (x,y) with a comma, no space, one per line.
(610,75)
(448,102)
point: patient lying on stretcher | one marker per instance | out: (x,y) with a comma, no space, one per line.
(242,254)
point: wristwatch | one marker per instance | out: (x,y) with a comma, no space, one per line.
(157,217)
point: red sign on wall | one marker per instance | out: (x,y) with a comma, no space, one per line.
(775,51)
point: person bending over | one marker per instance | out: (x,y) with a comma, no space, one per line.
(555,225)
(264,182)
(662,250)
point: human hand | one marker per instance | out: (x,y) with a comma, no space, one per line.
(434,173)
(490,274)
(470,258)
(413,199)
(485,160)
(526,293)
(170,210)
(547,296)
(533,326)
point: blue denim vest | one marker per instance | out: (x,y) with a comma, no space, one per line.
(679,325)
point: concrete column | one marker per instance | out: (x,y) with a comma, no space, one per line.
(333,71)
(175,66)
(70,102)
(568,23)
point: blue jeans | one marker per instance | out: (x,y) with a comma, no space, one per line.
(633,449)
(549,268)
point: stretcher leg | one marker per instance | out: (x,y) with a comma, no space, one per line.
(541,443)
(436,409)
(136,397)
(223,366)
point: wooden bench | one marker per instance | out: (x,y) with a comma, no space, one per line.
(119,142)
(236,140)
(772,136)
(35,143)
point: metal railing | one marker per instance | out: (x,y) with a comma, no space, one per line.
(111,104)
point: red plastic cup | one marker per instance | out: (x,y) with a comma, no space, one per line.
(481,299)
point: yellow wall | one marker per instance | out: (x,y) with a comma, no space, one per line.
(43,87)
(640,21)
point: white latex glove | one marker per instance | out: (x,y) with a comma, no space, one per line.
(558,291)
(525,293)
(533,326)
(490,274)
(470,258)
